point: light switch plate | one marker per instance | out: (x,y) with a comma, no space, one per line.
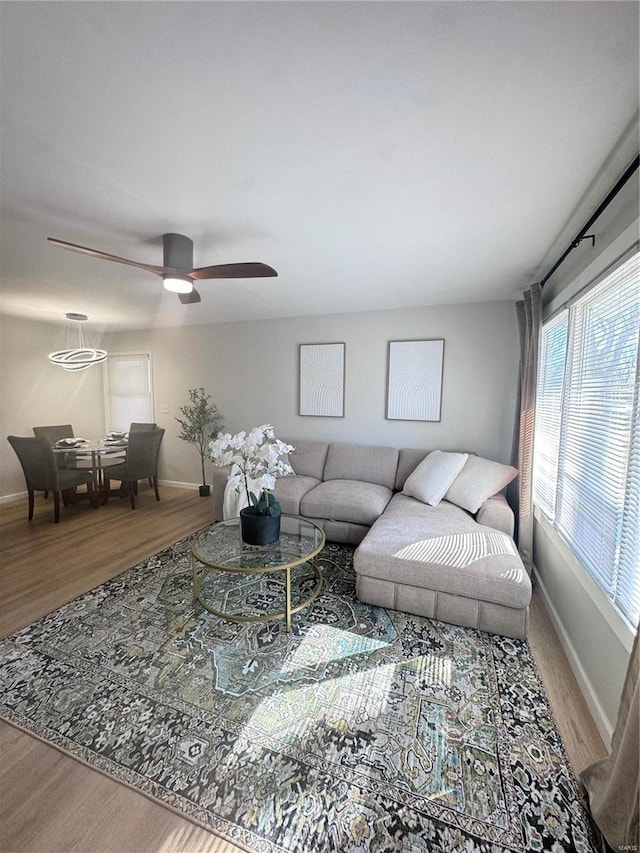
(165,409)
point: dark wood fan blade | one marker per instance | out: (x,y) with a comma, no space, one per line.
(249,270)
(94,253)
(187,298)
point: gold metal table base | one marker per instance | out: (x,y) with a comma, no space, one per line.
(207,557)
(285,614)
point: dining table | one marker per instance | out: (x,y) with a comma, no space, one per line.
(93,452)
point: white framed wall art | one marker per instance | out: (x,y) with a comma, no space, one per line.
(322,380)
(414,380)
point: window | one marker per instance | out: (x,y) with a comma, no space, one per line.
(587,433)
(553,351)
(128,395)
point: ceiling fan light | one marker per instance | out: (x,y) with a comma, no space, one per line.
(177,283)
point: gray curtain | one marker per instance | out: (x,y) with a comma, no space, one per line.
(529,314)
(612,784)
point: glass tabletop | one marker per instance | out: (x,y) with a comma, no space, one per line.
(221,546)
(100,447)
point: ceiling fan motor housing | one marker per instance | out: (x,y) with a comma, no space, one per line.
(178,251)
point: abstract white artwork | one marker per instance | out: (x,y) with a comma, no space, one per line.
(414,388)
(322,380)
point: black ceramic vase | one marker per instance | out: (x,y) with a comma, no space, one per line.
(258,529)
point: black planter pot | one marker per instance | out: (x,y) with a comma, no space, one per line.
(258,529)
(205,491)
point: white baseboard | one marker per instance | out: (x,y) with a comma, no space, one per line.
(600,718)
(194,486)
(5,499)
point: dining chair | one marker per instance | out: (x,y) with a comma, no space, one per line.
(141,464)
(42,473)
(53,434)
(138,426)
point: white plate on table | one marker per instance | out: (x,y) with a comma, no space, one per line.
(72,442)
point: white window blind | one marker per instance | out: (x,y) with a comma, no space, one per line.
(586,468)
(128,395)
(553,352)
(628,580)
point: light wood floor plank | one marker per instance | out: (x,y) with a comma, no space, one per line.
(54,804)
(579,732)
(51,803)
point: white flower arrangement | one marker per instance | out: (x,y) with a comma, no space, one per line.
(255,456)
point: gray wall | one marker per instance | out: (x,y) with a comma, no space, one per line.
(251,371)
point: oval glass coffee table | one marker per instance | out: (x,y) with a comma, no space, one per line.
(219,548)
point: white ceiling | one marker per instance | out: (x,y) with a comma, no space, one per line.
(378,155)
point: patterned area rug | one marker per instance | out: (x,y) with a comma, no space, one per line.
(364,730)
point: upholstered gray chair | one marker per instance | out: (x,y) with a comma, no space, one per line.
(141,464)
(53,434)
(139,426)
(42,473)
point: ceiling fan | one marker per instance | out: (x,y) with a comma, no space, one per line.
(177,273)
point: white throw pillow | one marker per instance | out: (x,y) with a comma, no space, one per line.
(479,480)
(432,477)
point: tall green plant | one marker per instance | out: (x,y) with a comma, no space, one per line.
(200,423)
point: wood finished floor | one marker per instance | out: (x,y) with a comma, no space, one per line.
(51,803)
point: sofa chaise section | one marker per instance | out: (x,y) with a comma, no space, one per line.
(437,561)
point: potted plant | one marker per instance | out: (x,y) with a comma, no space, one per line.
(256,459)
(201,421)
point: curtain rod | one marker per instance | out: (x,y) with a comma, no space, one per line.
(603,205)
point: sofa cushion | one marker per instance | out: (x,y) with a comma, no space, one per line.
(308,457)
(496,512)
(408,459)
(429,481)
(443,549)
(346,500)
(289,491)
(479,480)
(445,516)
(359,462)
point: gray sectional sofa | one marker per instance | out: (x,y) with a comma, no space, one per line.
(443,561)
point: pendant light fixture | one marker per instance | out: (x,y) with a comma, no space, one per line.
(81,356)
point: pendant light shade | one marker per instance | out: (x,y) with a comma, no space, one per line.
(79,357)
